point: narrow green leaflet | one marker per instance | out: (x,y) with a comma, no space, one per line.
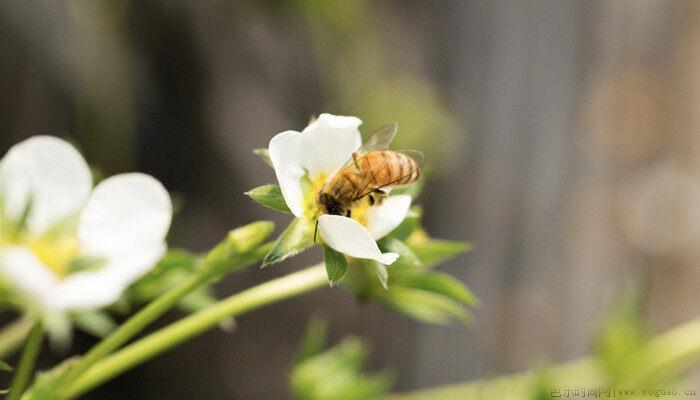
(264,155)
(443,284)
(336,264)
(382,273)
(96,323)
(269,196)
(293,240)
(432,251)
(424,306)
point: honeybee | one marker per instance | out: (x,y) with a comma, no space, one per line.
(369,170)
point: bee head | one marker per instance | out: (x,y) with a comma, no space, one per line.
(329,204)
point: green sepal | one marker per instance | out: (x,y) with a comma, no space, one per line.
(269,196)
(432,252)
(295,239)
(85,264)
(336,264)
(96,323)
(425,306)
(264,155)
(446,285)
(381,272)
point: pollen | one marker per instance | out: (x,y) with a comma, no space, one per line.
(57,253)
(311,189)
(359,211)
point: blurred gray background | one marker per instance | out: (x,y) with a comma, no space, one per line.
(562,138)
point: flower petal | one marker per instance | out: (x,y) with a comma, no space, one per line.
(48,171)
(383,218)
(329,142)
(126,213)
(25,271)
(349,237)
(95,289)
(285,154)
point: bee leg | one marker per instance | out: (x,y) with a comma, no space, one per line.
(347,214)
(371,200)
(354,159)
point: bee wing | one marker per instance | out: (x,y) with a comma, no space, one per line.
(380,140)
(417,156)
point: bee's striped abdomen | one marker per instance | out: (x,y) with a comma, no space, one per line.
(388,168)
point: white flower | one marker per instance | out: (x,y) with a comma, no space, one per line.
(320,150)
(66,246)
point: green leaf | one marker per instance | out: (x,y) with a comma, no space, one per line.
(314,339)
(382,273)
(432,251)
(443,284)
(5,367)
(96,323)
(238,242)
(264,155)
(409,224)
(336,264)
(336,374)
(296,238)
(269,196)
(406,256)
(424,306)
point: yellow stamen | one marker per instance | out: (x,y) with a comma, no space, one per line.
(312,188)
(56,253)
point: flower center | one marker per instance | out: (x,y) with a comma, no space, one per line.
(311,189)
(57,253)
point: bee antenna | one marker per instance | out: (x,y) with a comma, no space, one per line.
(315,230)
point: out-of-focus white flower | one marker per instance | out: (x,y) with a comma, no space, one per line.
(66,246)
(304,161)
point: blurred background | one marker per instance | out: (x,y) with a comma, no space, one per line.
(562,141)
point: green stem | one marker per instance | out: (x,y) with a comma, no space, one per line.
(13,335)
(194,324)
(132,326)
(26,362)
(148,314)
(519,386)
(668,355)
